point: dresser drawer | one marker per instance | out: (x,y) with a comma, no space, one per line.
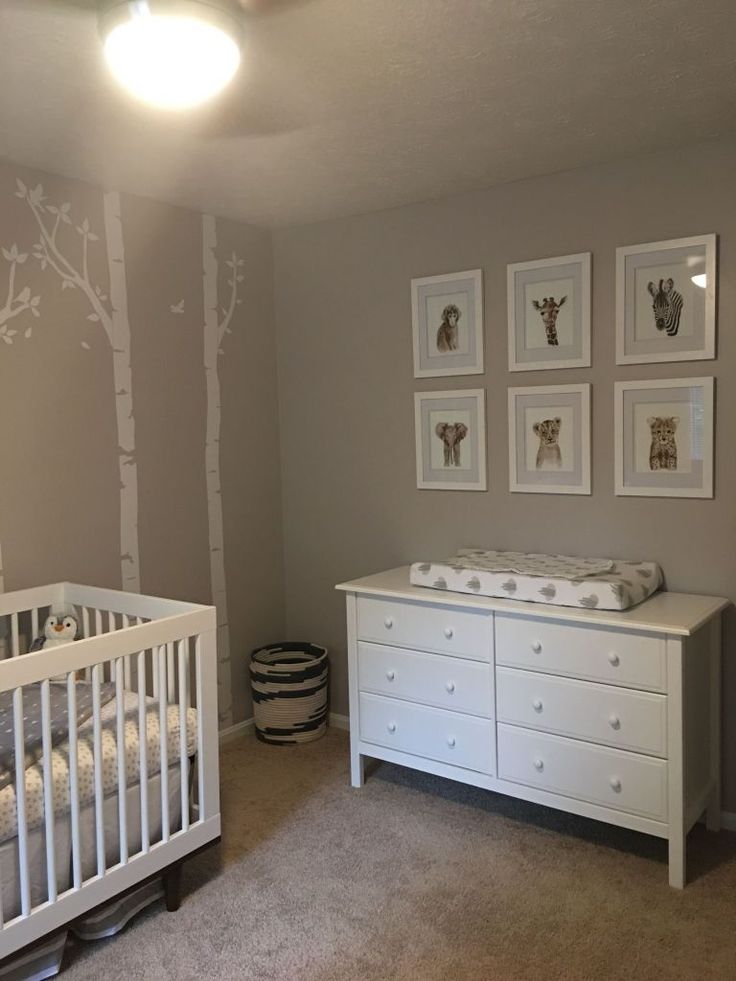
(462,740)
(634,720)
(443,629)
(610,777)
(433,679)
(595,654)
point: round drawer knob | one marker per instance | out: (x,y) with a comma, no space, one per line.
(451,741)
(391,727)
(450,686)
(537,705)
(614,659)
(449,633)
(615,784)
(537,647)
(388,623)
(539,765)
(614,722)
(390,675)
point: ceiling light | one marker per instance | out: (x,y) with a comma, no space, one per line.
(700,280)
(172,53)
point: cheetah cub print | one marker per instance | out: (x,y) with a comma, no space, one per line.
(548,454)
(663,451)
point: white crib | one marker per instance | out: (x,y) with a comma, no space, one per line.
(160,655)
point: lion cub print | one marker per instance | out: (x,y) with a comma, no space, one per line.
(548,454)
(663,451)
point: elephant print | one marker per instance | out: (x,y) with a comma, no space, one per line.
(451,434)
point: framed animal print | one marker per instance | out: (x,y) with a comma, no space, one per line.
(549,313)
(664,437)
(549,439)
(447,322)
(666,301)
(451,440)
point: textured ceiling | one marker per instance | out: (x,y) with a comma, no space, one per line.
(346,106)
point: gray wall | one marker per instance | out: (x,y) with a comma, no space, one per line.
(343,314)
(59,478)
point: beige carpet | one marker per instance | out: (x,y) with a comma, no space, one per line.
(414,877)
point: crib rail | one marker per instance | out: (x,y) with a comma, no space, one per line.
(143,660)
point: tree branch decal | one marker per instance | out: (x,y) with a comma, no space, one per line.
(112,315)
(217,323)
(19,302)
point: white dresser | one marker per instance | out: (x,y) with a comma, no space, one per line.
(615,716)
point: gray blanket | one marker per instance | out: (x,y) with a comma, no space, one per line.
(32,729)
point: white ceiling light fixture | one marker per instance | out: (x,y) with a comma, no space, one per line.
(173,54)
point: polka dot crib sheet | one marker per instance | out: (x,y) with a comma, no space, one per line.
(85,757)
(558,580)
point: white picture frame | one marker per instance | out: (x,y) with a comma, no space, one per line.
(445,462)
(447,324)
(666,301)
(548,304)
(549,439)
(648,412)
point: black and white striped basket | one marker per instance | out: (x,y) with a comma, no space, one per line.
(290,692)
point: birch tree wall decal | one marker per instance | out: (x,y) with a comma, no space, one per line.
(112,315)
(217,322)
(16,303)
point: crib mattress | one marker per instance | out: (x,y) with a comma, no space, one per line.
(557,580)
(85,758)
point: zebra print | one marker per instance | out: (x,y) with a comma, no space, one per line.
(289,684)
(667,306)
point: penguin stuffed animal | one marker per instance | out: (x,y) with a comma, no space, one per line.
(59,628)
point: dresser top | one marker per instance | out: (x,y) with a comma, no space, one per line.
(679,614)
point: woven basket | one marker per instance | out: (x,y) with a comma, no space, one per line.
(289,684)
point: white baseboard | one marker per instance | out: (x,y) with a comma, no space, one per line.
(337,721)
(232,732)
(728,820)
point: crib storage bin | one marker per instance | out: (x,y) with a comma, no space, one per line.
(289,684)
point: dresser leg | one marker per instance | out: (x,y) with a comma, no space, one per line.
(357,769)
(677,861)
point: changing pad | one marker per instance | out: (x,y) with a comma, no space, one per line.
(560,580)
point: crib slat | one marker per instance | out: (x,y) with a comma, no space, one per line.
(182,646)
(143,751)
(71,698)
(98,631)
(99,799)
(126,661)
(85,633)
(48,789)
(154,670)
(163,735)
(171,674)
(14,642)
(34,623)
(200,723)
(20,802)
(122,783)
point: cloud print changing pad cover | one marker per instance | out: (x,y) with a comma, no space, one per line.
(560,580)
